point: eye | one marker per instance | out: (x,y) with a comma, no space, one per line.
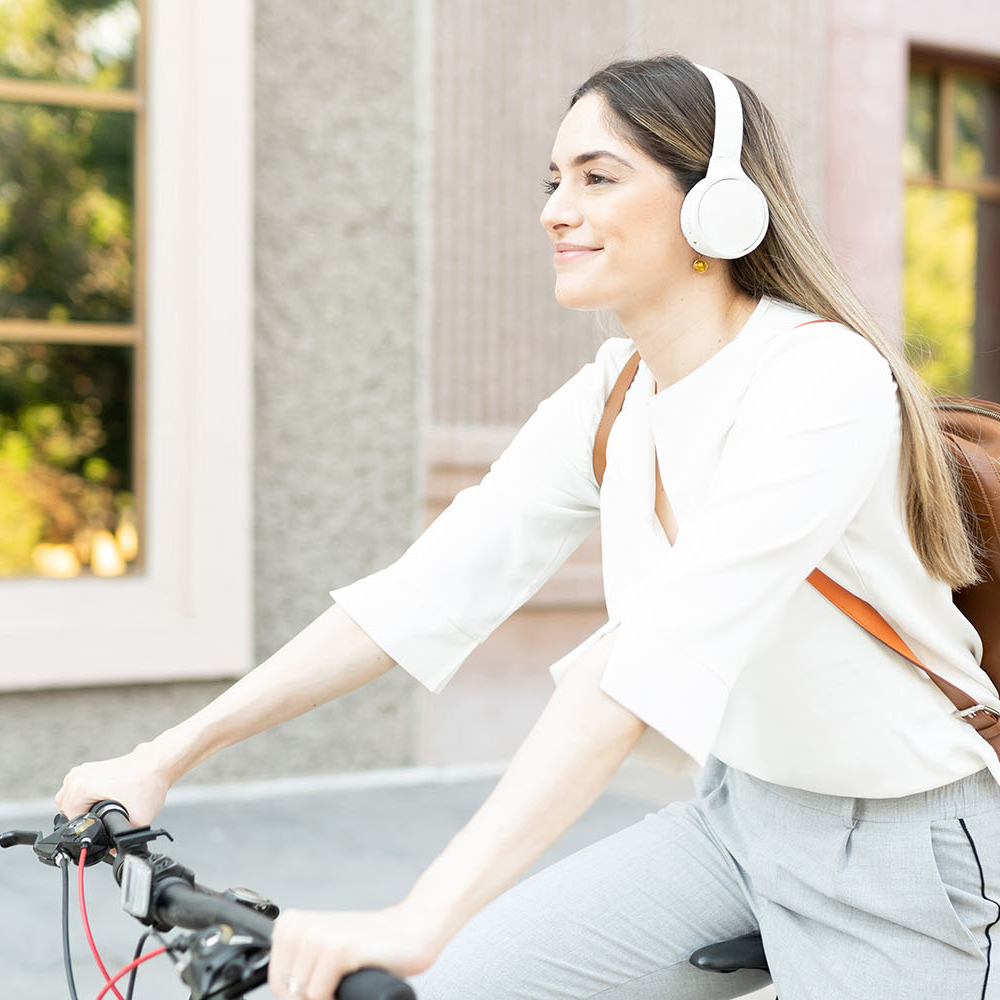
(549,186)
(591,178)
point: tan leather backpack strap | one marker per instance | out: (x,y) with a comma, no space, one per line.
(984,720)
(616,400)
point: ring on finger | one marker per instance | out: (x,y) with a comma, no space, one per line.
(294,987)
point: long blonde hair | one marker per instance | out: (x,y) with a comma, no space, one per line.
(666,108)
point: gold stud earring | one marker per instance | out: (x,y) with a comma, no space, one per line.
(700,264)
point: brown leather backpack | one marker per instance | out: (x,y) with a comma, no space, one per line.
(971,428)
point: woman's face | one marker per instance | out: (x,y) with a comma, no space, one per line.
(613,216)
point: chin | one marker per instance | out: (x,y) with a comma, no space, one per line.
(578,298)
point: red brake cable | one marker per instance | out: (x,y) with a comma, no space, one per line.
(128,968)
(86,928)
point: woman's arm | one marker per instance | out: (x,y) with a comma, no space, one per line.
(481,559)
(567,760)
(325,660)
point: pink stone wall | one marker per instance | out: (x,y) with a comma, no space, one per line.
(869,45)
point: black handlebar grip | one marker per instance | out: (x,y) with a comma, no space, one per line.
(373,984)
(113,816)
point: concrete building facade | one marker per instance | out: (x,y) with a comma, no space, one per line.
(394,324)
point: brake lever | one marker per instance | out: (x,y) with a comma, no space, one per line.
(69,839)
(14,837)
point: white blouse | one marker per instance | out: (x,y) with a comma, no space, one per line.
(778,454)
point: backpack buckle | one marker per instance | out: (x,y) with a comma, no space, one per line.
(966,712)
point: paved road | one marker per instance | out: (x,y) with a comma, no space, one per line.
(366,846)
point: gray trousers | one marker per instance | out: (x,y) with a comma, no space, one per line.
(855,899)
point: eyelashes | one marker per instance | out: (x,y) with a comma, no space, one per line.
(590,179)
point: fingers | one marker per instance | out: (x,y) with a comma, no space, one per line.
(326,975)
(317,984)
(295,986)
(311,951)
(303,965)
(68,799)
(289,961)
(74,796)
(135,780)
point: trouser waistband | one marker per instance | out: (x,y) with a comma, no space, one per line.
(975,793)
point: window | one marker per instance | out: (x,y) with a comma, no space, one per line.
(71,291)
(165,338)
(951,162)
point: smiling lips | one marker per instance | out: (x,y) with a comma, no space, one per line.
(566,252)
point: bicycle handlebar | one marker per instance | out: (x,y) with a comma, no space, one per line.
(158,891)
(194,907)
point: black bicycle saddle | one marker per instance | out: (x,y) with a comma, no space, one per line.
(746,952)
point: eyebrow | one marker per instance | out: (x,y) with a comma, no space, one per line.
(595,154)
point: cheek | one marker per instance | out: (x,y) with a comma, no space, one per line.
(652,248)
(649,231)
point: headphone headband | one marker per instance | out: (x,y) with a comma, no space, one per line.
(728,141)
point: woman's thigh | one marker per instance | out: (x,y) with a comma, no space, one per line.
(618,919)
(908,912)
(873,899)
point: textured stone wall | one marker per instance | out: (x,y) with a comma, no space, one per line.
(44,733)
(504,72)
(337,366)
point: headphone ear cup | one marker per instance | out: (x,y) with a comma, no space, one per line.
(690,225)
(724,216)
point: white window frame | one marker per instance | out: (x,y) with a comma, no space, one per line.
(187,613)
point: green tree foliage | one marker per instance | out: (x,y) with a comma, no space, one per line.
(65,463)
(66,253)
(65,214)
(66,185)
(71,41)
(939,286)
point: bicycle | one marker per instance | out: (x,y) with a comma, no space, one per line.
(223,954)
(226,957)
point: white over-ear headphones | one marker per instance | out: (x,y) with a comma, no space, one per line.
(725,214)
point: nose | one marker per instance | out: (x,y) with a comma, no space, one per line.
(560,211)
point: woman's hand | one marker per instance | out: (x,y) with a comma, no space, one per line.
(139,781)
(311,950)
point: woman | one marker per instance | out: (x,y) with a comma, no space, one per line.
(843,808)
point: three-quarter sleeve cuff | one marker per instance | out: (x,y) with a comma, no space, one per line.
(417,635)
(668,689)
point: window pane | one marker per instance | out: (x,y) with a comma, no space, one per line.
(920,151)
(977,136)
(89,42)
(66,482)
(66,216)
(940,286)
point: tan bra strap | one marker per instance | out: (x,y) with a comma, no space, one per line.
(611,410)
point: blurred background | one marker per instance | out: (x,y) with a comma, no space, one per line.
(272,289)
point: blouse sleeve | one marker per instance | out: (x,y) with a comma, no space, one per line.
(498,542)
(814,429)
